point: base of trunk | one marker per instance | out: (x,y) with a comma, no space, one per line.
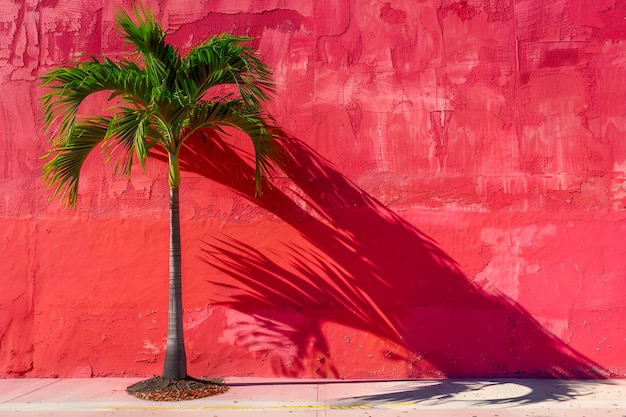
(161,389)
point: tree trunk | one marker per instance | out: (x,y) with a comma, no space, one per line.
(175,359)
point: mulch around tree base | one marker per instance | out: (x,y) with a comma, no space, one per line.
(161,389)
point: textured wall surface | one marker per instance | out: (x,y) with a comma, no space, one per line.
(455,206)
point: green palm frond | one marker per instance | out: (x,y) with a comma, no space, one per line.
(62,171)
(132,130)
(70,86)
(234,113)
(224,59)
(147,35)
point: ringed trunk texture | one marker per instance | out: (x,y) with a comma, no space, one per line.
(175,359)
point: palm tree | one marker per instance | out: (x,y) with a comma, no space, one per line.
(158,99)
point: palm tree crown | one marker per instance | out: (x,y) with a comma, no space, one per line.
(158,99)
(162,96)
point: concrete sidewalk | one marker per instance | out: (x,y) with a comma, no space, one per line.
(252,397)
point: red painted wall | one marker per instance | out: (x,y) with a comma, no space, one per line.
(455,205)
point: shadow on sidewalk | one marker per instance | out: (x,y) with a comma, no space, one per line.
(475,393)
(510,393)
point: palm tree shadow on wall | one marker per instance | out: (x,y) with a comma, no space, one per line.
(363,267)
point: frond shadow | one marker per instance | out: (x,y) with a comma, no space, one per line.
(507,393)
(364,267)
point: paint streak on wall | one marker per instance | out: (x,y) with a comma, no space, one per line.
(455,205)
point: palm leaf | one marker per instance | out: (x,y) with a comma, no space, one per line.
(225,60)
(70,86)
(132,130)
(62,171)
(215,115)
(147,35)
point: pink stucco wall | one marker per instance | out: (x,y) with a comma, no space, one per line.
(455,206)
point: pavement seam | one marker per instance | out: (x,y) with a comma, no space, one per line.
(234,407)
(31,391)
(320,387)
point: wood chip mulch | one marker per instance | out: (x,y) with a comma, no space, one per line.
(161,389)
